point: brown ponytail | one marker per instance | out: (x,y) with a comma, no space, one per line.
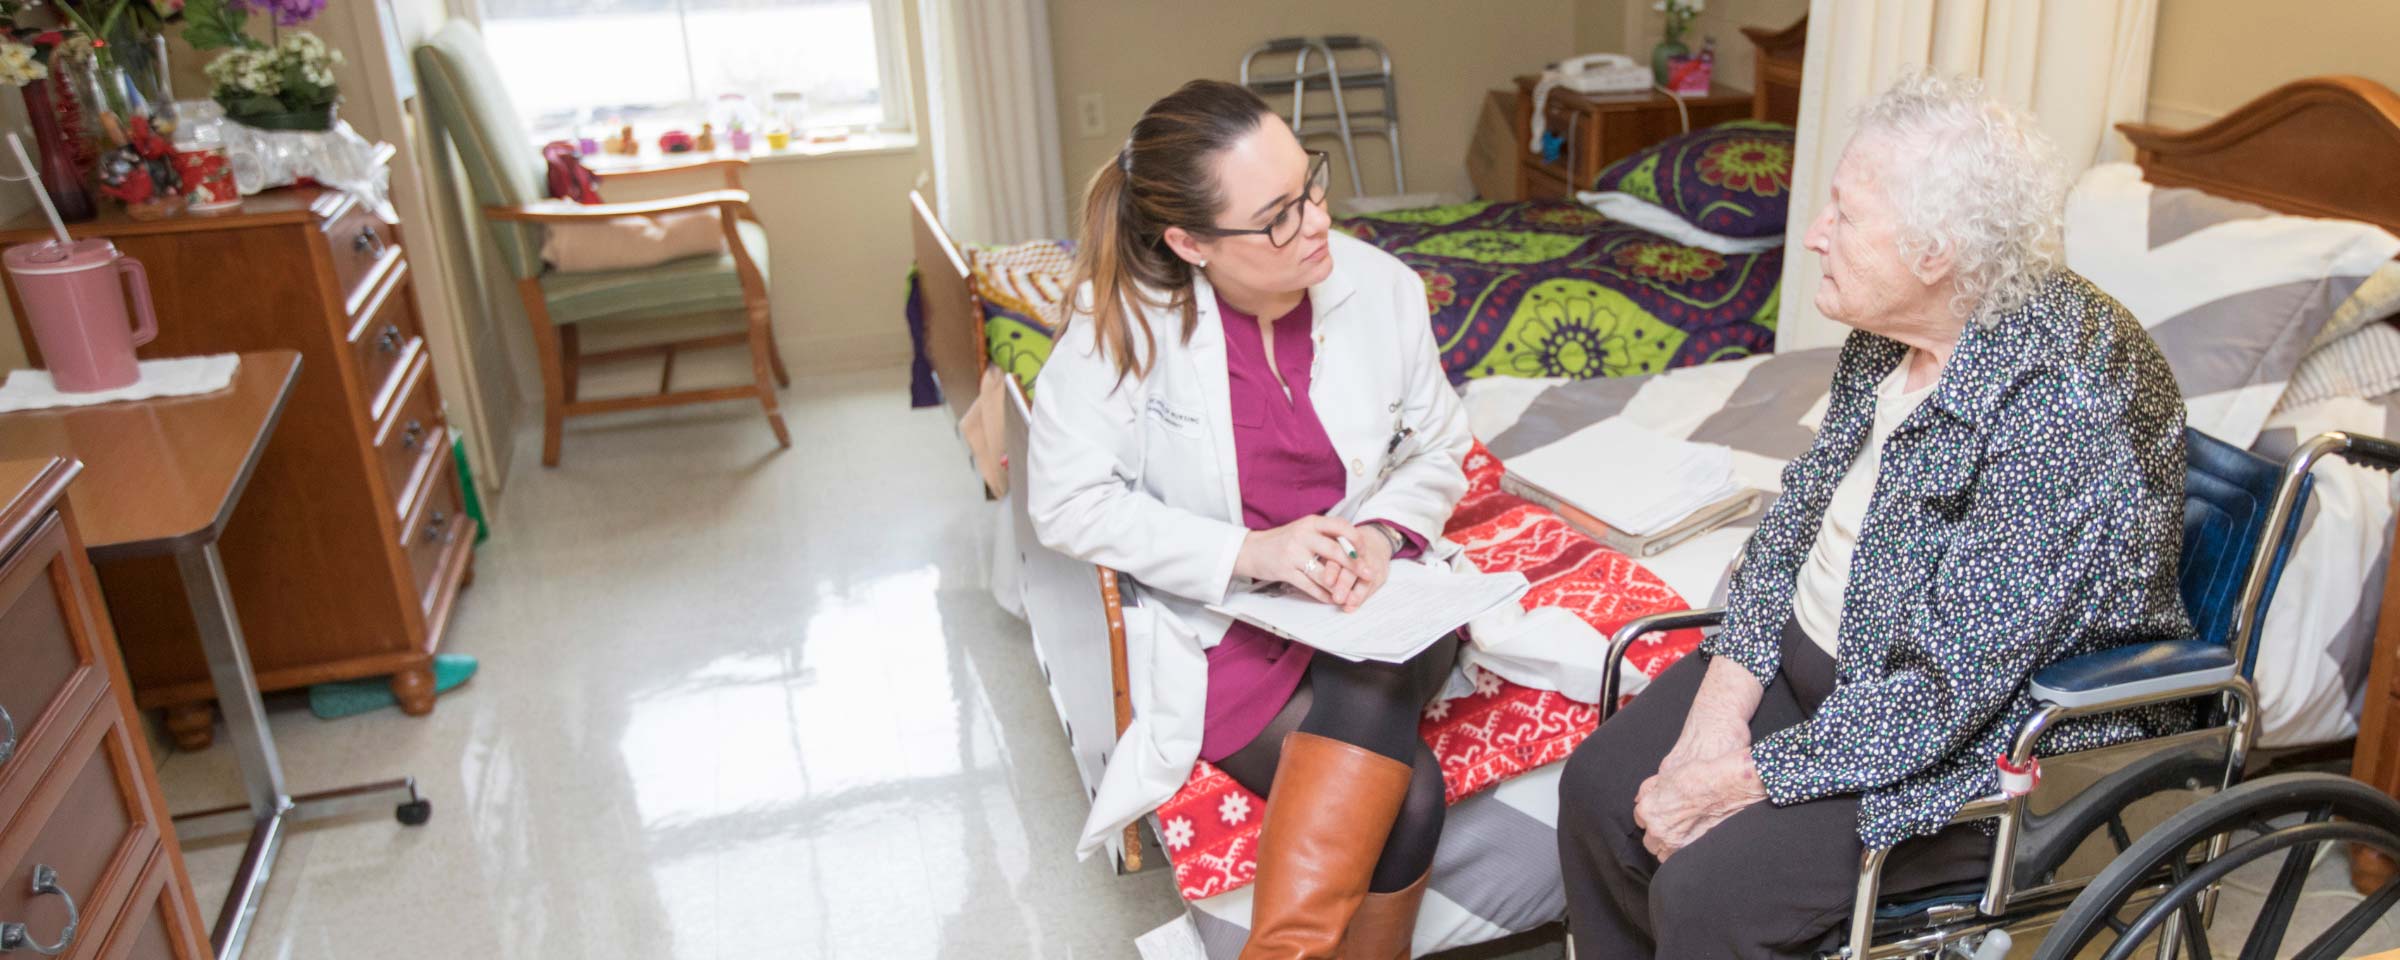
(1164,177)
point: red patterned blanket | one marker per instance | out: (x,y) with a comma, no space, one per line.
(1210,827)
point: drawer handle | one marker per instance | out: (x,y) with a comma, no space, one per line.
(412,437)
(13,935)
(8,735)
(367,243)
(389,340)
(437,527)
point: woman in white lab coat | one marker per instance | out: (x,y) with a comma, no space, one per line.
(1240,396)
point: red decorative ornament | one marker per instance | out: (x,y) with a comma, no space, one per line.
(133,189)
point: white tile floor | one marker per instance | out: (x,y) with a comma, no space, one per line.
(735,704)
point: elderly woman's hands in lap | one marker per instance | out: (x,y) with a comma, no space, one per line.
(1708,776)
(1678,806)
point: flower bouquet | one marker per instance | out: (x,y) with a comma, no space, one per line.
(283,84)
(116,61)
(1680,14)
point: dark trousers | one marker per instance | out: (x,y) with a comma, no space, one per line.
(1767,882)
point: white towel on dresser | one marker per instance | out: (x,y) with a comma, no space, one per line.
(175,377)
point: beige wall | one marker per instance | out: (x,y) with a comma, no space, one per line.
(1444,55)
(2214,55)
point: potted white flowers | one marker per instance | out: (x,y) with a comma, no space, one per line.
(1679,18)
(286,84)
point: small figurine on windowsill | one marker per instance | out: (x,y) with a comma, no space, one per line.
(674,141)
(708,139)
(622,144)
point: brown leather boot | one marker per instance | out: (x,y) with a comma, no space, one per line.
(1328,813)
(1384,923)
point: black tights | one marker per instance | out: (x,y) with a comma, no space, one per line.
(1373,705)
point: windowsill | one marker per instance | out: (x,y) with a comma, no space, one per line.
(856,145)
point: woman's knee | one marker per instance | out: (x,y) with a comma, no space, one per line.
(1699,885)
(1362,681)
(1613,762)
(1596,788)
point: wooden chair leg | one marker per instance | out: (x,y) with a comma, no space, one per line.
(762,350)
(570,341)
(547,343)
(783,378)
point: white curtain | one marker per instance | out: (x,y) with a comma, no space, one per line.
(994,119)
(2079,66)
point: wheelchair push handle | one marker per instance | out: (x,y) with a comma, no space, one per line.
(2366,451)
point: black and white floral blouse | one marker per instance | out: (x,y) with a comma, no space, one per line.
(2030,511)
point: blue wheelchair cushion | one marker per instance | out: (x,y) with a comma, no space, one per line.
(2133,671)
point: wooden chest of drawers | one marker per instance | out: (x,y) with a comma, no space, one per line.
(78,800)
(350,547)
(1603,129)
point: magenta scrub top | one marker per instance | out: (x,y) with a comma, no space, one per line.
(1288,469)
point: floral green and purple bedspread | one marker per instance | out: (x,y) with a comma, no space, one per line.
(1524,289)
(1553,289)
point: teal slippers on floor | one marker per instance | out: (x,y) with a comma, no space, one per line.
(349,698)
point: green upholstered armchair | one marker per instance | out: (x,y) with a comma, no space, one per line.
(472,107)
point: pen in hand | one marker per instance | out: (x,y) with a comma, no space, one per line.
(1345,602)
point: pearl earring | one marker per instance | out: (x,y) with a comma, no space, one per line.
(1203,264)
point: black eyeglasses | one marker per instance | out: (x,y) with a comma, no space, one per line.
(1285,228)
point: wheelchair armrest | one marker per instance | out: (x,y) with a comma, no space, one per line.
(1612,668)
(2139,672)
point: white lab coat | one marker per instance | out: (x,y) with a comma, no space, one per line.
(1140,477)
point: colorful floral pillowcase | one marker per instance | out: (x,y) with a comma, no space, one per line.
(1732,180)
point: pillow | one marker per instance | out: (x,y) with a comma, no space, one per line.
(2234,293)
(1630,209)
(623,243)
(2363,365)
(1022,290)
(1733,179)
(2377,299)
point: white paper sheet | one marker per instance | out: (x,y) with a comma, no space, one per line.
(1417,606)
(1633,479)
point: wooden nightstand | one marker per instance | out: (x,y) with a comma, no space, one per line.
(1602,129)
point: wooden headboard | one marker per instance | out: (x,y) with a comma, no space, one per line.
(2324,146)
(1775,89)
(953,323)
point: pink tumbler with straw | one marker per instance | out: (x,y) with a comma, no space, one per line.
(74,296)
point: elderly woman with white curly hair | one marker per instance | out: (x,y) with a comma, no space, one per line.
(1998,485)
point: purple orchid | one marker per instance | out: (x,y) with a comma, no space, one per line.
(288,13)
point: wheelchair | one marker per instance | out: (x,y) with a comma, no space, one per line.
(2119,847)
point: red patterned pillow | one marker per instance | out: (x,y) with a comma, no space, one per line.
(1210,827)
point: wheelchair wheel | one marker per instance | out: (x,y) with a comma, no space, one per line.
(2288,816)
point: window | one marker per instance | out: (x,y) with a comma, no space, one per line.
(581,66)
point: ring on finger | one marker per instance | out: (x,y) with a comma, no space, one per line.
(1311,567)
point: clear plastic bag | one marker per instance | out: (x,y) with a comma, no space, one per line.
(338,158)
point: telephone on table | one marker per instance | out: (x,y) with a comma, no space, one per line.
(1592,73)
(1604,73)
